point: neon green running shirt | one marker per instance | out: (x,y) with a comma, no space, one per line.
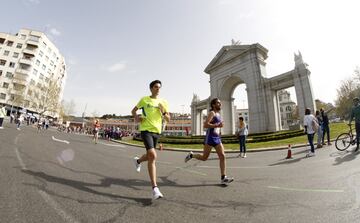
(152,117)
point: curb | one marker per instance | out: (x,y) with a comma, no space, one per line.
(226,151)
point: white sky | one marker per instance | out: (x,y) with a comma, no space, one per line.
(114,49)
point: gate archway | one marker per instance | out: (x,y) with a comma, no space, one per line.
(237,64)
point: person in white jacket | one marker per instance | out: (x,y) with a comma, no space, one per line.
(2,115)
(310,127)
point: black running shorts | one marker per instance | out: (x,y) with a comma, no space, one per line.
(150,139)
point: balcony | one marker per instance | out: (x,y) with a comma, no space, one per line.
(31,51)
(17,91)
(33,42)
(22,71)
(26,60)
(20,81)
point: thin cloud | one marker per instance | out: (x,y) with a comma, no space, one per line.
(55,32)
(117,67)
(226,2)
(34,1)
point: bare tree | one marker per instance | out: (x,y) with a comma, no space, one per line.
(48,99)
(67,109)
(349,89)
(16,93)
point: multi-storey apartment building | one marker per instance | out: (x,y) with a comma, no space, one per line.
(286,107)
(32,72)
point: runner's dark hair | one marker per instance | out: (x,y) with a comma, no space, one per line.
(154,82)
(212,103)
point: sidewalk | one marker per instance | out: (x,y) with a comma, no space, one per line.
(226,151)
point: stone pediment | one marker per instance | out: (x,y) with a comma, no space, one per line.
(228,53)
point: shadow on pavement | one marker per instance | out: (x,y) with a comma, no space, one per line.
(345,156)
(288,161)
(83,186)
(171,183)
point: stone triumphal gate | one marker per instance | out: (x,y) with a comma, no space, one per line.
(245,64)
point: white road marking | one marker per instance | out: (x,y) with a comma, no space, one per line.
(191,171)
(43,194)
(236,167)
(306,190)
(21,162)
(113,145)
(58,140)
(56,207)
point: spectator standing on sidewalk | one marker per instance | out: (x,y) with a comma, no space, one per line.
(2,115)
(355,113)
(326,128)
(242,133)
(309,123)
(320,129)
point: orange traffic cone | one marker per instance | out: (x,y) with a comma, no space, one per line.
(289,152)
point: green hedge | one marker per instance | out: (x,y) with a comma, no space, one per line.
(264,137)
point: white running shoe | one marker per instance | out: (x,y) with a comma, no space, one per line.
(188,156)
(1,127)
(227,180)
(244,156)
(137,165)
(310,154)
(157,194)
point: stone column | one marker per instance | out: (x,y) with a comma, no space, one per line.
(303,89)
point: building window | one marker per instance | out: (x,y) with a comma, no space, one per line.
(19,45)
(288,108)
(10,43)
(37,62)
(12,64)
(35,72)
(6,52)
(34,38)
(46,58)
(41,53)
(5,85)
(16,55)
(43,67)
(1,72)
(44,45)
(281,109)
(23,36)
(49,50)
(9,75)
(51,63)
(41,77)
(2,62)
(32,82)
(2,96)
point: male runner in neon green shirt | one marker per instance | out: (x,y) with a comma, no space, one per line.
(154,109)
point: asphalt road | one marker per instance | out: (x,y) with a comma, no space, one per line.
(59,177)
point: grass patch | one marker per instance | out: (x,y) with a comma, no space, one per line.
(335,130)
